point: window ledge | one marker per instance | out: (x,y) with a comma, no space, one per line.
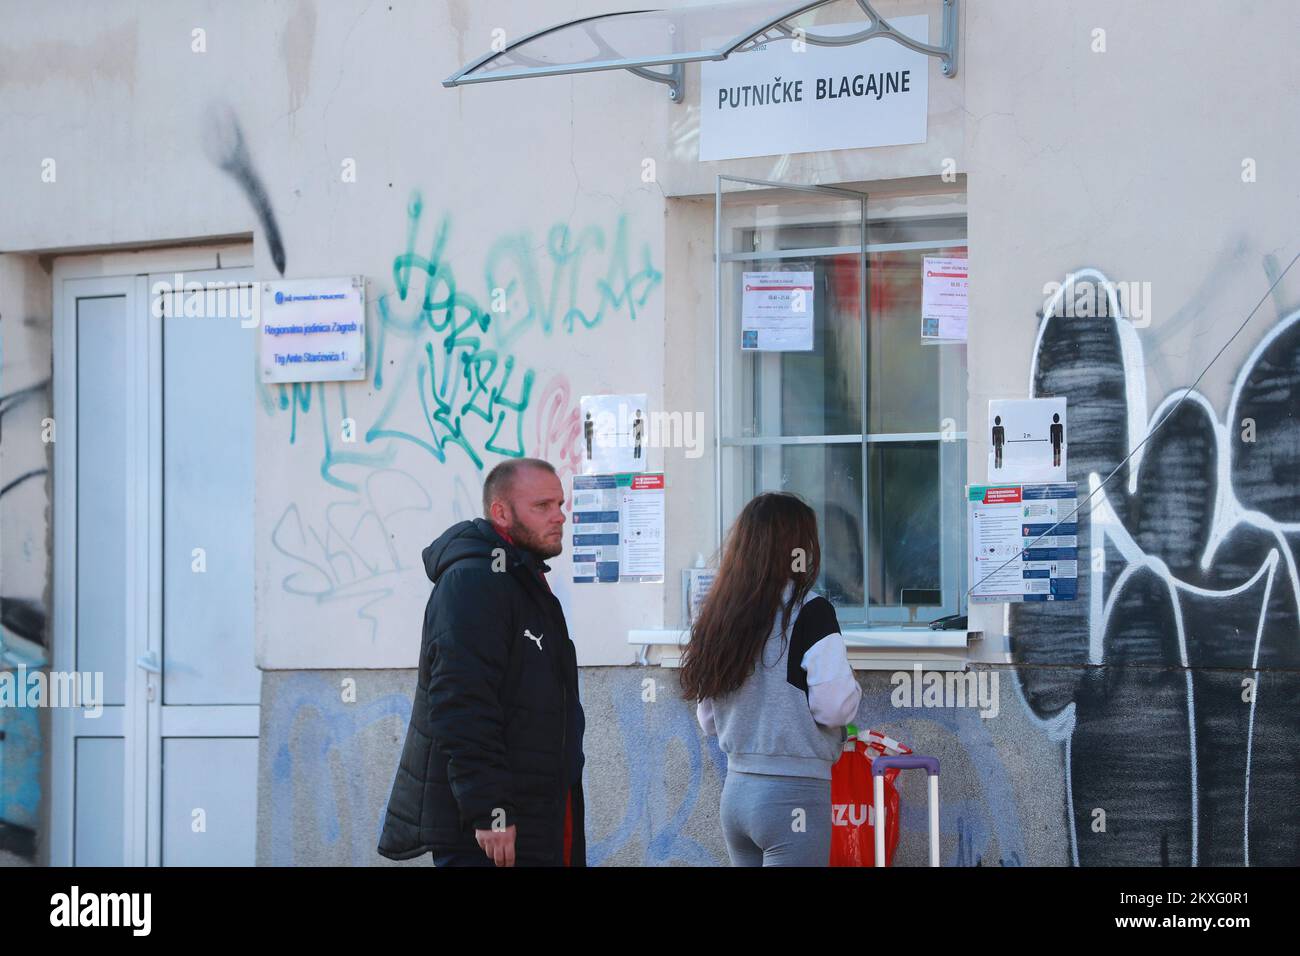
(873,649)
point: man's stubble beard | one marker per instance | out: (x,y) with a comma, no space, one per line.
(525,539)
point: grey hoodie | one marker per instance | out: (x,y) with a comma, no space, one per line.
(787,718)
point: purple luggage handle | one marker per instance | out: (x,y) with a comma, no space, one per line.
(915,762)
(911,762)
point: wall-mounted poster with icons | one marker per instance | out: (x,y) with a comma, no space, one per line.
(1028,439)
(615,433)
(618,528)
(1024,542)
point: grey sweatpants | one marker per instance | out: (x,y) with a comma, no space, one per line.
(761,825)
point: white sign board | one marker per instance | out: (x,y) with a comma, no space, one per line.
(699,582)
(314,330)
(1024,543)
(1028,439)
(776,311)
(613,433)
(943,299)
(618,528)
(776,99)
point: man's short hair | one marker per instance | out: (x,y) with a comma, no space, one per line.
(502,478)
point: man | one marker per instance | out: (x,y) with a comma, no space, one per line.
(491,770)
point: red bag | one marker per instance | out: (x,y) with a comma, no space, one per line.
(853,797)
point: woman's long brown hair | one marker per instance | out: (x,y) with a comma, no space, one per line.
(773,542)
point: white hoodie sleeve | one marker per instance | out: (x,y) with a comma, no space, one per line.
(704,714)
(833,691)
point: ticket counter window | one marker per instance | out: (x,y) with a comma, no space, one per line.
(848,405)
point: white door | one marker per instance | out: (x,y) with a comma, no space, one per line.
(154,573)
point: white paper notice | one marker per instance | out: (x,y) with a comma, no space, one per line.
(776,312)
(642,531)
(943,299)
(699,581)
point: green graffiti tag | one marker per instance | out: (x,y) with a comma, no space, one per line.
(513,269)
(431,339)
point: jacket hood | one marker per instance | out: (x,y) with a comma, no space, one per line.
(472,540)
(464,540)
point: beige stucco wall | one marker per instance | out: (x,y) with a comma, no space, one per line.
(1126,157)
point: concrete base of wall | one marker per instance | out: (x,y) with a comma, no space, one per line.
(652,778)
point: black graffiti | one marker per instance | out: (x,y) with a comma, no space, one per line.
(231,154)
(20,616)
(10,486)
(1178,701)
(13,399)
(24,618)
(17,840)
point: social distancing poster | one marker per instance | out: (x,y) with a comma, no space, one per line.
(1028,440)
(614,433)
(618,528)
(1024,542)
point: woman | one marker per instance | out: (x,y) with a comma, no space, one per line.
(767,665)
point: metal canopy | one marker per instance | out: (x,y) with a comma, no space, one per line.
(637,40)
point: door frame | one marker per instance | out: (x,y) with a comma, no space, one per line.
(138,719)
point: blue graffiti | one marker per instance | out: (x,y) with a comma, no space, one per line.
(309,729)
(987,817)
(648,731)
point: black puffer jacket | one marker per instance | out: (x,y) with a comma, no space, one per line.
(495,702)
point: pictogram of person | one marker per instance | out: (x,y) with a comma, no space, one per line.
(588,428)
(1058,439)
(999,439)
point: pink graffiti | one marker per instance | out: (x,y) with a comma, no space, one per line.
(559,430)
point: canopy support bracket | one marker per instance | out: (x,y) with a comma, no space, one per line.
(675,79)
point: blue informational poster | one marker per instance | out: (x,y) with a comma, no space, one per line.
(1024,542)
(618,528)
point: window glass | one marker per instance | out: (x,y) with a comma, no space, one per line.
(870,433)
(909,379)
(829,478)
(904,523)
